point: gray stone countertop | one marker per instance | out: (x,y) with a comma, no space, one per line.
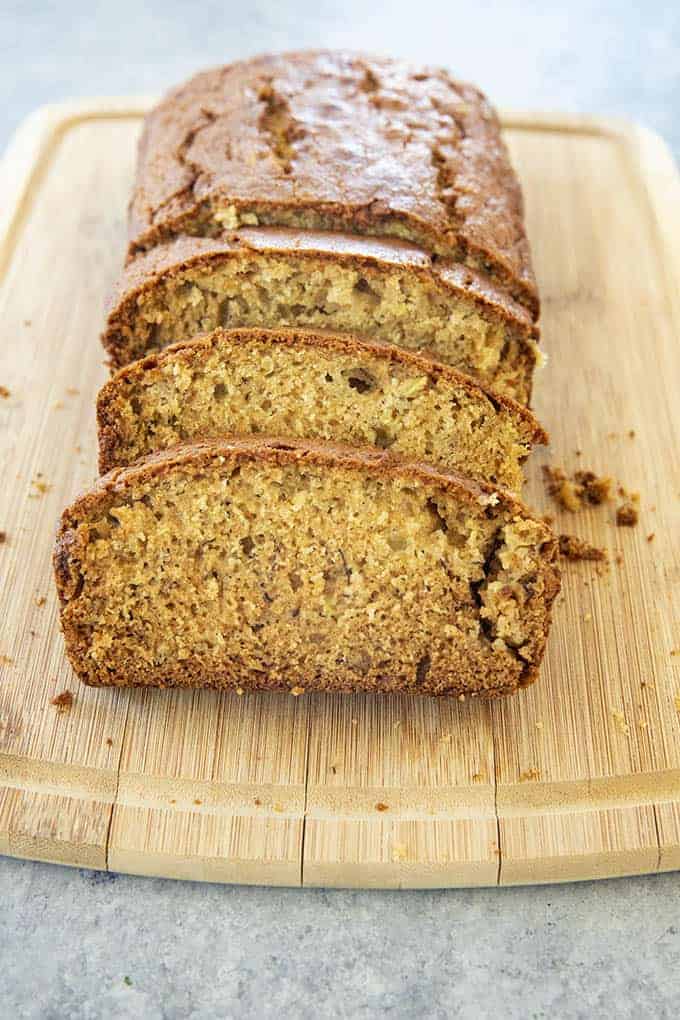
(77,944)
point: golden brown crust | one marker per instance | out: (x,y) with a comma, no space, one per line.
(198,457)
(347,142)
(108,423)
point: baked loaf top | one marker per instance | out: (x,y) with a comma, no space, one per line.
(335,141)
(316,384)
(269,563)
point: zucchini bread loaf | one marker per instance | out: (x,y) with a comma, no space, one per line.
(341,142)
(385,289)
(268,563)
(314,385)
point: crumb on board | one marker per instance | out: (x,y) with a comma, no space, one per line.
(278,808)
(63,702)
(631,433)
(585,487)
(3,537)
(651,536)
(198,802)
(40,601)
(6,660)
(530,775)
(381,807)
(40,487)
(593,488)
(626,515)
(549,519)
(239,691)
(109,742)
(478,777)
(573,548)
(642,723)
(297,691)
(5,393)
(560,488)
(587,617)
(72,391)
(675,651)
(398,852)
(127,981)
(58,405)
(620,721)
(618,559)
(27,322)
(257,802)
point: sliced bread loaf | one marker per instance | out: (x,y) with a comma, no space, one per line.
(269,563)
(314,385)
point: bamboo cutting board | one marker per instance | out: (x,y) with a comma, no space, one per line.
(578,777)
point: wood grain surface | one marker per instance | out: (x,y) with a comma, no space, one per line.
(577,777)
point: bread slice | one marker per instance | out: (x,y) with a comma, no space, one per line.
(387,290)
(335,141)
(314,385)
(271,564)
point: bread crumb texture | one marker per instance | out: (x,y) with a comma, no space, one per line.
(302,568)
(412,308)
(317,386)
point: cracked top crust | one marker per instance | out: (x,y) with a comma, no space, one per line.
(335,141)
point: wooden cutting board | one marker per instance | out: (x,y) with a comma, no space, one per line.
(578,777)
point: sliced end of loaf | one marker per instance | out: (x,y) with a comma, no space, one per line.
(269,563)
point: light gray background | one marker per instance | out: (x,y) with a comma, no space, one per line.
(69,939)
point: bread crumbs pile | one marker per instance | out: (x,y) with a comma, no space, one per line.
(585,489)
